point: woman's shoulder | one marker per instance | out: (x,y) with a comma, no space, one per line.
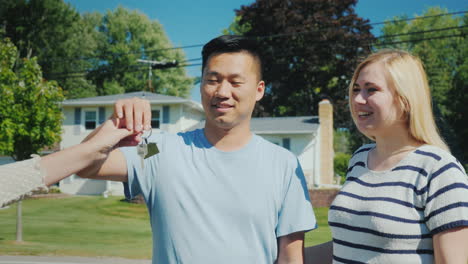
(436,153)
(364,149)
(442,159)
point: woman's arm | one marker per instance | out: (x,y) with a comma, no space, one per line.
(96,155)
(451,246)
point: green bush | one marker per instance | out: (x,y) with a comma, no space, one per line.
(340,164)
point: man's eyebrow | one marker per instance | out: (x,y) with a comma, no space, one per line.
(237,75)
(212,73)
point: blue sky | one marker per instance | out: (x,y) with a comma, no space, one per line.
(189,22)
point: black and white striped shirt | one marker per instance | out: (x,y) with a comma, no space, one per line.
(391,216)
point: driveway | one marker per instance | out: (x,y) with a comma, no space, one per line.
(67,260)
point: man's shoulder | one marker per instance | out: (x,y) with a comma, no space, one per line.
(273,149)
(166,137)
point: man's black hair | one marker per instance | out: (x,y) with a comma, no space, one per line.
(232,43)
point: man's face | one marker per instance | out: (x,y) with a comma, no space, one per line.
(230,88)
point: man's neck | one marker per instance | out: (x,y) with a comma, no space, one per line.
(228,139)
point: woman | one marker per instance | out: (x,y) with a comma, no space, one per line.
(405,199)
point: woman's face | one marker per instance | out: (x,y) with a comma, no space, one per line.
(376,111)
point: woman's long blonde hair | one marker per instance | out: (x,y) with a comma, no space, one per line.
(406,74)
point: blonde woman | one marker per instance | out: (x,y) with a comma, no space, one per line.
(405,199)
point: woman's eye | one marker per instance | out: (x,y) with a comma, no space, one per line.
(356,90)
(371,90)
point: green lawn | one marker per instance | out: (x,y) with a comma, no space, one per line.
(323,233)
(93,226)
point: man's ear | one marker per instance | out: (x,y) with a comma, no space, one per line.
(260,90)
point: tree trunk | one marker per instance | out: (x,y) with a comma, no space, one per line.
(19,222)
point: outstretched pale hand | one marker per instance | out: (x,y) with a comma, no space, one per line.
(112,134)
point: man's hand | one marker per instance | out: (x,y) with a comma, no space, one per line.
(136,112)
(125,126)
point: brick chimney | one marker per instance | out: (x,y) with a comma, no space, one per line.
(326,142)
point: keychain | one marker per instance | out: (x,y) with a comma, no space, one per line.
(146,150)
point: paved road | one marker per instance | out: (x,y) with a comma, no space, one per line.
(67,260)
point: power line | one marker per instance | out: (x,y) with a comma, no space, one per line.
(259,37)
(421,32)
(421,17)
(135,68)
(82,74)
(322,41)
(386,36)
(371,24)
(417,40)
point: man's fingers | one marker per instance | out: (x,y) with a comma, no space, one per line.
(136,111)
(138,118)
(128,111)
(118,109)
(147,117)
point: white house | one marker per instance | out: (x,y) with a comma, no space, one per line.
(301,135)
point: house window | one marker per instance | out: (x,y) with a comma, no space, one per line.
(90,119)
(287,143)
(155,118)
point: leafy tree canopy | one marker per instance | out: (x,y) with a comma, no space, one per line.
(30,115)
(310,50)
(93,54)
(126,36)
(54,32)
(441,43)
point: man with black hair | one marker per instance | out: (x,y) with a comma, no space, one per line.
(220,194)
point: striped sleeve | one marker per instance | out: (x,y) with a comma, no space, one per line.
(447,196)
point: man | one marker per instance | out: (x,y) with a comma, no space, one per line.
(219,194)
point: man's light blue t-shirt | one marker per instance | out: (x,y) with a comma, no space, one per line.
(210,206)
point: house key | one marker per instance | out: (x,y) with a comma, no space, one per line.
(146,150)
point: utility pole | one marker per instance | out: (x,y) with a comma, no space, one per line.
(152,65)
(19,222)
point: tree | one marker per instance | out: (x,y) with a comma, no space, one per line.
(30,115)
(310,48)
(54,32)
(458,97)
(124,37)
(93,54)
(440,41)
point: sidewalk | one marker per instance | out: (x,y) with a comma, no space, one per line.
(67,260)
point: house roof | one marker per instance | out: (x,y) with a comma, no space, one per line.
(153,98)
(280,125)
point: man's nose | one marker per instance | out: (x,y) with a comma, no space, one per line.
(224,89)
